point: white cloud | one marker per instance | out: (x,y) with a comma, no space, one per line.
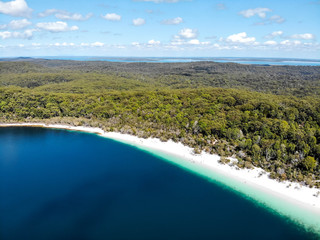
(261,12)
(120,46)
(276,19)
(205,43)
(135,44)
(194,41)
(285,42)
(16,8)
(176,43)
(274,35)
(240,38)
(186,36)
(112,17)
(73,16)
(177,40)
(173,21)
(48,12)
(56,26)
(64,44)
(138,21)
(65,15)
(27,34)
(270,43)
(97,44)
(149,44)
(182,46)
(5,34)
(153,42)
(273,19)
(290,43)
(188,33)
(304,36)
(16,24)
(19,24)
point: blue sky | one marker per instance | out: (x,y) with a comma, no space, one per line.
(208,28)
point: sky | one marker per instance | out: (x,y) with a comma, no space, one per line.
(161,28)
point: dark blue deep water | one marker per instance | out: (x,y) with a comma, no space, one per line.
(57,184)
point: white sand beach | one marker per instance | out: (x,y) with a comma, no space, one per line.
(298,202)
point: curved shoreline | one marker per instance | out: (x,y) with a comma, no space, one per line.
(253,183)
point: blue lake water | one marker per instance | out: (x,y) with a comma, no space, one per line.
(57,184)
(260,61)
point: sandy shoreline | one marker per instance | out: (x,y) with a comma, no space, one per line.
(293,193)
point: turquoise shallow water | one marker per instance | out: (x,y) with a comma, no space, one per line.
(302,216)
(57,184)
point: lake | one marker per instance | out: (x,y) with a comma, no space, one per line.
(241,60)
(58,184)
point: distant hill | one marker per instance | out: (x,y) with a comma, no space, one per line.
(84,76)
(16,59)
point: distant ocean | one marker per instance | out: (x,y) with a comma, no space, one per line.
(243,60)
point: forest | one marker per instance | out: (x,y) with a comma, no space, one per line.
(265,116)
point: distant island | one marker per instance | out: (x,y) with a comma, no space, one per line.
(242,60)
(263,116)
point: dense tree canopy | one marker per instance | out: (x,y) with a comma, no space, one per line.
(84,77)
